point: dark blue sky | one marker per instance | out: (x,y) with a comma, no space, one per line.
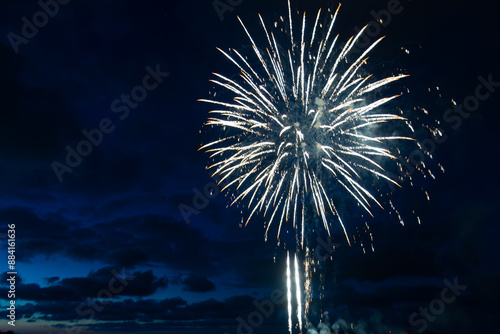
(113,215)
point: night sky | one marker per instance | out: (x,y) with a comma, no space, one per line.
(101,244)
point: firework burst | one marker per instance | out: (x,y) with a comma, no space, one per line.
(304,123)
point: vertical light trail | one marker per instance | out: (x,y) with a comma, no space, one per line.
(307,282)
(298,292)
(289,292)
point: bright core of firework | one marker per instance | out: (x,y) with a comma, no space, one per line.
(301,123)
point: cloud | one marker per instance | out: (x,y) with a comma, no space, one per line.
(172,313)
(51,280)
(127,257)
(143,284)
(198,284)
(128,241)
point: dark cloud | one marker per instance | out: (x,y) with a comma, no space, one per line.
(169,313)
(4,276)
(198,284)
(37,236)
(140,284)
(173,243)
(51,280)
(128,257)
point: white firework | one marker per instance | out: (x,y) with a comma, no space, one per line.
(301,123)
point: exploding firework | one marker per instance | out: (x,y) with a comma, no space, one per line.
(306,127)
(300,126)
